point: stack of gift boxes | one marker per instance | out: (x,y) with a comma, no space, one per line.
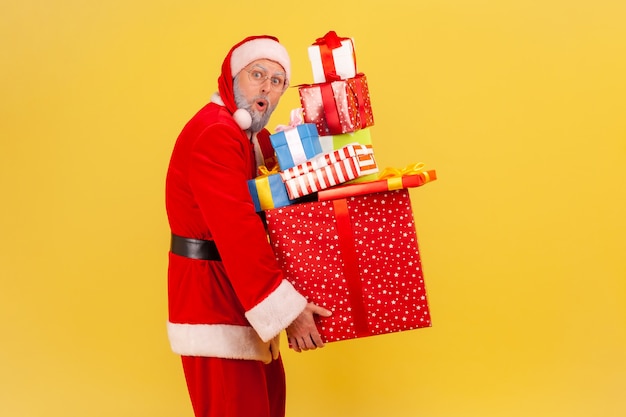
(343,230)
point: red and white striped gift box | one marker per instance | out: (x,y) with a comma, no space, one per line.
(325,177)
(329,169)
(353,150)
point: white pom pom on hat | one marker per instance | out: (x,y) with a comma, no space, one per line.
(243,118)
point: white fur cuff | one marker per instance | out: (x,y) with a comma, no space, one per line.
(277,311)
(218,340)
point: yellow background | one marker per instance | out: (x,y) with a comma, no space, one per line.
(519,105)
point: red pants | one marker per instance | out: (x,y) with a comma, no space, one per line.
(235,388)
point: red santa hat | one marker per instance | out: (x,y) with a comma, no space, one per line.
(242,54)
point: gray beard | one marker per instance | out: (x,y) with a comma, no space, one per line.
(259,120)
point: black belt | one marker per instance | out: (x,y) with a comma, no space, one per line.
(195,248)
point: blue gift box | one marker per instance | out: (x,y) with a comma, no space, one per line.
(295,145)
(269,191)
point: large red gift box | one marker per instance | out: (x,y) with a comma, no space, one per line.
(357,256)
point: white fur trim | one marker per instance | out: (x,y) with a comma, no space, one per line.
(277,311)
(221,341)
(260,48)
(217,99)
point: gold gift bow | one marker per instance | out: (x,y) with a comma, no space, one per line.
(266,172)
(394,175)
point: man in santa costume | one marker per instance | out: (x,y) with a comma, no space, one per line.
(228,299)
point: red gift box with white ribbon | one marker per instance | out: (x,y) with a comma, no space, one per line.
(357,256)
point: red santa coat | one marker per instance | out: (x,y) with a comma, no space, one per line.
(235,308)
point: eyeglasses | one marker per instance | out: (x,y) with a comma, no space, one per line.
(258,76)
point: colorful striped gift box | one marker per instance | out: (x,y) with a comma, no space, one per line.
(329,169)
(363,153)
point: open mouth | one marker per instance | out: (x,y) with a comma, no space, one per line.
(260,105)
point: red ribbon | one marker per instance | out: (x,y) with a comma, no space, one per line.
(351,266)
(359,80)
(330,39)
(326,44)
(331,113)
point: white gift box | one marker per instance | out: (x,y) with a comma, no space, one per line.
(343,61)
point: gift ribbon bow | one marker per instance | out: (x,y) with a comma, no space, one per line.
(264,172)
(330,39)
(394,175)
(295,119)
